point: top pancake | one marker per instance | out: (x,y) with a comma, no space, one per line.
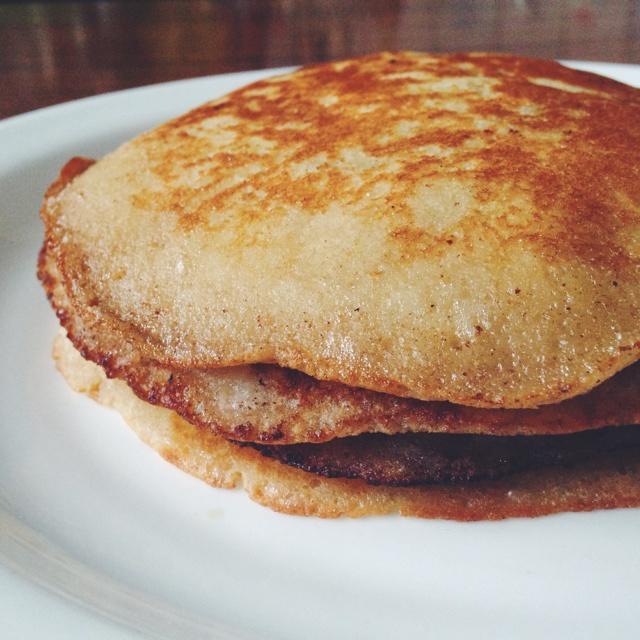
(459,227)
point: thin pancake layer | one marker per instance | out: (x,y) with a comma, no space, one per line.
(609,482)
(438,458)
(459,227)
(266,403)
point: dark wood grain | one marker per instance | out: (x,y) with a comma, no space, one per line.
(56,51)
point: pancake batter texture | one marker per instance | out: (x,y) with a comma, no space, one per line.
(400,283)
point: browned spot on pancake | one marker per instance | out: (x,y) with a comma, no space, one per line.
(196,115)
(569,182)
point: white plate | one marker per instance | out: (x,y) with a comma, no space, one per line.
(100,538)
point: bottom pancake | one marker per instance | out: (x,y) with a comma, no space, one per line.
(607,481)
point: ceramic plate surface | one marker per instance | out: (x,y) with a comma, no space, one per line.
(100,538)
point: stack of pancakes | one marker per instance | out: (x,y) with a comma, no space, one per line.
(400,283)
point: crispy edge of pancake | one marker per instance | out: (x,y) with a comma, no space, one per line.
(611,482)
(265,403)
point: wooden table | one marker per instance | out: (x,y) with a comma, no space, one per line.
(56,51)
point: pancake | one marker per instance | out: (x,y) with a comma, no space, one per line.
(438,458)
(605,482)
(266,403)
(461,228)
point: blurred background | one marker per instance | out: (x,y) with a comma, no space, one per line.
(56,51)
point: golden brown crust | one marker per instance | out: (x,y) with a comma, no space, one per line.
(265,403)
(606,483)
(459,227)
